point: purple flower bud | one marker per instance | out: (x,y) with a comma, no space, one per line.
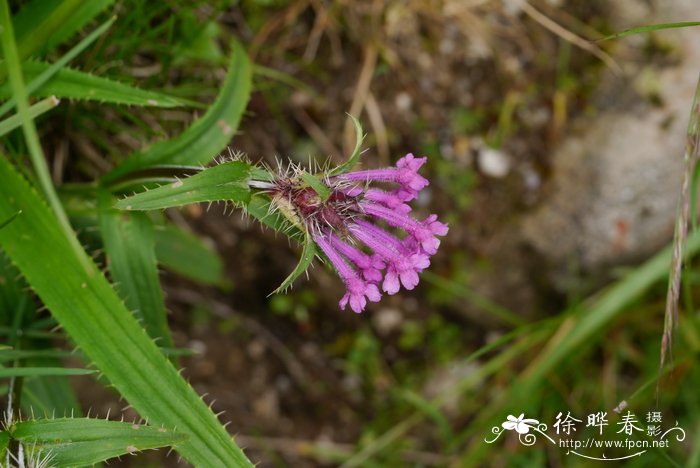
(405,174)
(356,288)
(422,233)
(402,264)
(369,265)
(388,199)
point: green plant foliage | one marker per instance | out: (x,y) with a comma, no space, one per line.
(83,441)
(259,207)
(46,75)
(184,253)
(356,152)
(4,441)
(40,371)
(206,137)
(12,354)
(650,28)
(41,25)
(75,84)
(8,220)
(307,256)
(92,314)
(130,248)
(225,182)
(36,110)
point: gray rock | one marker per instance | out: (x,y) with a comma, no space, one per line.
(614,188)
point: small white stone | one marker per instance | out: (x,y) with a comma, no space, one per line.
(387,320)
(403,101)
(198,347)
(493,162)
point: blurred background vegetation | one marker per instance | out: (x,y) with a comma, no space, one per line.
(487,90)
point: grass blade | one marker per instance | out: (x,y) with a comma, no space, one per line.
(40,371)
(206,137)
(128,242)
(92,314)
(586,321)
(12,354)
(42,25)
(75,84)
(83,441)
(649,28)
(41,107)
(38,81)
(36,153)
(228,181)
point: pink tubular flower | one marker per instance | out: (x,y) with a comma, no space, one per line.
(357,288)
(344,223)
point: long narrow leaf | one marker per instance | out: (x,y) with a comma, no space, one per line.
(37,371)
(12,354)
(225,182)
(577,330)
(307,256)
(36,110)
(98,322)
(82,441)
(203,141)
(75,84)
(128,242)
(649,28)
(41,25)
(356,152)
(42,78)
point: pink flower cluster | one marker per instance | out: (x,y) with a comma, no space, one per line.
(359,208)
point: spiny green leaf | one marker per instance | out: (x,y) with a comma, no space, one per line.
(186,254)
(260,208)
(84,441)
(355,156)
(130,247)
(37,371)
(9,220)
(43,77)
(207,136)
(649,28)
(307,256)
(41,25)
(75,84)
(36,110)
(97,321)
(226,182)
